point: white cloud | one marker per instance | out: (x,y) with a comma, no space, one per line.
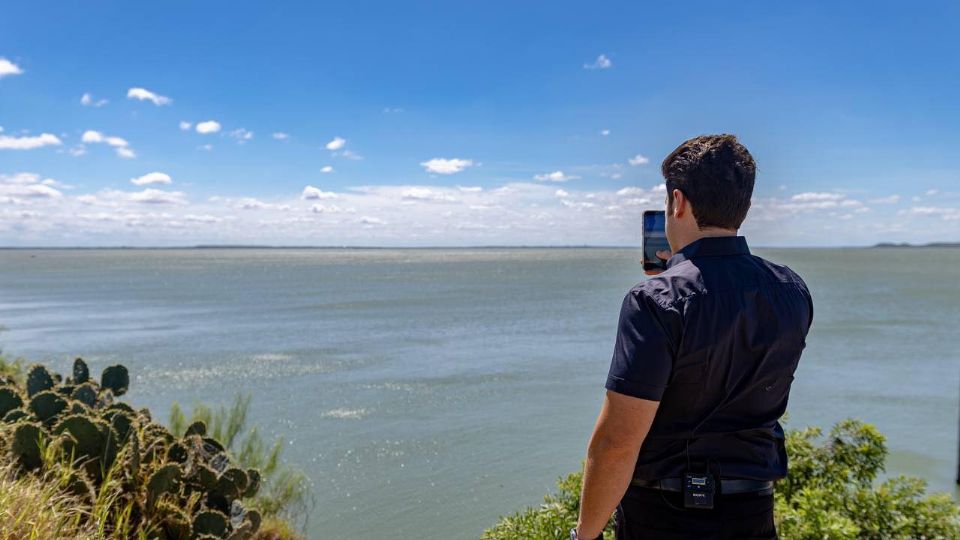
(638,159)
(28,142)
(185,126)
(446,166)
(947,213)
(311,192)
(210,126)
(280,136)
(810,196)
(931,192)
(426,194)
(204,218)
(119,144)
(660,188)
(14,188)
(348,154)
(157,196)
(367,220)
(87,101)
(143,94)
(605,132)
(326,209)
(241,134)
(8,68)
(336,144)
(561,194)
(631,192)
(205,147)
(152,178)
(327,169)
(555,176)
(891,199)
(470,189)
(602,62)
(250,203)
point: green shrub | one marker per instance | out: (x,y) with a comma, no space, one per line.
(831,493)
(138,479)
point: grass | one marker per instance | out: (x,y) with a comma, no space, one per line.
(35,508)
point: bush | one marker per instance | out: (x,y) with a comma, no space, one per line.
(131,476)
(830,493)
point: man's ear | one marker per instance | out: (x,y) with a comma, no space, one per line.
(679,204)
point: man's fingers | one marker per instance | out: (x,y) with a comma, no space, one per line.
(664,254)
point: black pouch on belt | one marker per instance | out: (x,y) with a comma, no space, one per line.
(699,490)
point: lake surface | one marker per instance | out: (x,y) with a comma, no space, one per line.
(426,392)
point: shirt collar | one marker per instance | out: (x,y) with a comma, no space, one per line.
(710,246)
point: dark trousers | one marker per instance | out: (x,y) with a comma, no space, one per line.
(659,515)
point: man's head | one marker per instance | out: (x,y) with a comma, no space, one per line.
(709,182)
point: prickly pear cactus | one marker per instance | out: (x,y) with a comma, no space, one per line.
(210,522)
(86,393)
(253,484)
(186,488)
(116,379)
(46,405)
(81,373)
(9,400)
(16,415)
(166,479)
(27,440)
(38,380)
(196,428)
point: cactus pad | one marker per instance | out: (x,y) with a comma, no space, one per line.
(16,415)
(116,379)
(81,373)
(196,428)
(177,453)
(166,479)
(47,405)
(38,380)
(236,477)
(86,437)
(85,393)
(210,522)
(26,444)
(253,484)
(9,400)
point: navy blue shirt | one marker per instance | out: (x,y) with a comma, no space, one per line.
(715,338)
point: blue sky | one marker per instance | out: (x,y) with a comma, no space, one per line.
(468,123)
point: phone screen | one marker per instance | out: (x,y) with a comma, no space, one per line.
(654,239)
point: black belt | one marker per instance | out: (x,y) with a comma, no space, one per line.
(728,486)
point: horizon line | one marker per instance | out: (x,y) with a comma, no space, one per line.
(478,246)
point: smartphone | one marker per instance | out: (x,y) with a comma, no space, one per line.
(654,239)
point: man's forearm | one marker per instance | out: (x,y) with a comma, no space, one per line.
(605,479)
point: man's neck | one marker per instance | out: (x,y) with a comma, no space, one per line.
(709,232)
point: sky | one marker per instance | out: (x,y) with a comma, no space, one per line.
(468,123)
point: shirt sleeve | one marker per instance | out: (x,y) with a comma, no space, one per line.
(645,348)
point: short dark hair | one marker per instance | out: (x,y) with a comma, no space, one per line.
(716,174)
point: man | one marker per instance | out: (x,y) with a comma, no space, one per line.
(688,443)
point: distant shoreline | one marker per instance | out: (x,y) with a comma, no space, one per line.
(372,248)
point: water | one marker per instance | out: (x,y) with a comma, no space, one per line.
(427,392)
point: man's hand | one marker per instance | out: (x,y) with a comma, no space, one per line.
(664,254)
